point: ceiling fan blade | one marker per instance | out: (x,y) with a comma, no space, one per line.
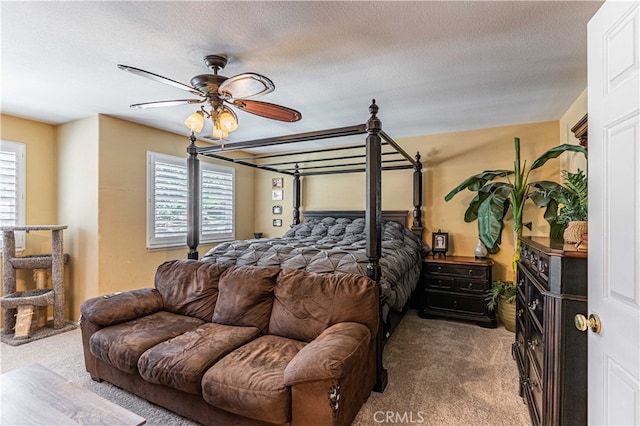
(267,110)
(245,86)
(158,104)
(159,78)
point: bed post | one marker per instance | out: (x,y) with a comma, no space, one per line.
(373,223)
(417,227)
(296,196)
(193,204)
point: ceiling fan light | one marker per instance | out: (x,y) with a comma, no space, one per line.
(195,122)
(228,120)
(218,133)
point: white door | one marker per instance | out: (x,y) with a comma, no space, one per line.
(614,213)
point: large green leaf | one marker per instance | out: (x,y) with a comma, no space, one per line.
(545,192)
(471,213)
(491,213)
(555,152)
(476,182)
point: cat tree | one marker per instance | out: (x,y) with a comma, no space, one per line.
(19,305)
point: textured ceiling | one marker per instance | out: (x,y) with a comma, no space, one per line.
(432,67)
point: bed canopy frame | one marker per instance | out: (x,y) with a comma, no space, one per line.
(372,166)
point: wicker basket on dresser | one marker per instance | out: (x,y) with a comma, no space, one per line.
(550,352)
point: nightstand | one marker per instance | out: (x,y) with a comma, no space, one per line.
(456,287)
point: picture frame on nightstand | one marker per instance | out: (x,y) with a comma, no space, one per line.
(439,243)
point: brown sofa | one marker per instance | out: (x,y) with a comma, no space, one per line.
(239,345)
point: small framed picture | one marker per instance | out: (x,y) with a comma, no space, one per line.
(276,209)
(277,222)
(276,194)
(277,183)
(440,242)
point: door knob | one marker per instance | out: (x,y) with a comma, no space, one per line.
(582,323)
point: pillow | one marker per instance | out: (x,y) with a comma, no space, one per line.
(246,296)
(189,287)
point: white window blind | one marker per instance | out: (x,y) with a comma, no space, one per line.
(12,187)
(168,199)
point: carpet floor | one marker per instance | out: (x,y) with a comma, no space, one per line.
(440,373)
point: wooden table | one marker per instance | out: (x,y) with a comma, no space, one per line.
(35,395)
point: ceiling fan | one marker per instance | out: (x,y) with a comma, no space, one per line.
(217,91)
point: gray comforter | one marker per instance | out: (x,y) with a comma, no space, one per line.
(334,245)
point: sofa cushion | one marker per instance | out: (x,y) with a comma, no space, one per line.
(122,345)
(246,296)
(120,307)
(307,303)
(180,362)
(189,287)
(249,380)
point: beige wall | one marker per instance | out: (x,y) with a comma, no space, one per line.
(447,159)
(78,143)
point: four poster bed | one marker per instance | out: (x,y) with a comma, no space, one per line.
(370,242)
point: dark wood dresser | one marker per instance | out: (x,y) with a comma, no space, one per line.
(456,287)
(550,352)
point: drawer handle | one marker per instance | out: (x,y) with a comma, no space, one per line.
(470,271)
(534,305)
(470,286)
(532,344)
(439,268)
(520,312)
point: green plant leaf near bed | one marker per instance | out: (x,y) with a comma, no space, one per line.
(495,197)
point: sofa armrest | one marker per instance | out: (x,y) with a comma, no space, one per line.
(120,307)
(331,355)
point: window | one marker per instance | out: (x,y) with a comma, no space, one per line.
(12,187)
(167,201)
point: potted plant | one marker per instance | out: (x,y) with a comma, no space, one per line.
(568,205)
(493,198)
(503,296)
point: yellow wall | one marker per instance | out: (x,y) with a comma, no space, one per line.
(41,186)
(447,160)
(90,174)
(573,161)
(124,261)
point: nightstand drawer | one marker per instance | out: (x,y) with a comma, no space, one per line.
(440,283)
(474,287)
(457,270)
(455,302)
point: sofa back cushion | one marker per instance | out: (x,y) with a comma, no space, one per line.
(189,287)
(306,303)
(246,296)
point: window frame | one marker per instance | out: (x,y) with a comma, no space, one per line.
(20,150)
(161,243)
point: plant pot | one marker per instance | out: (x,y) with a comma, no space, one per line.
(507,313)
(574,231)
